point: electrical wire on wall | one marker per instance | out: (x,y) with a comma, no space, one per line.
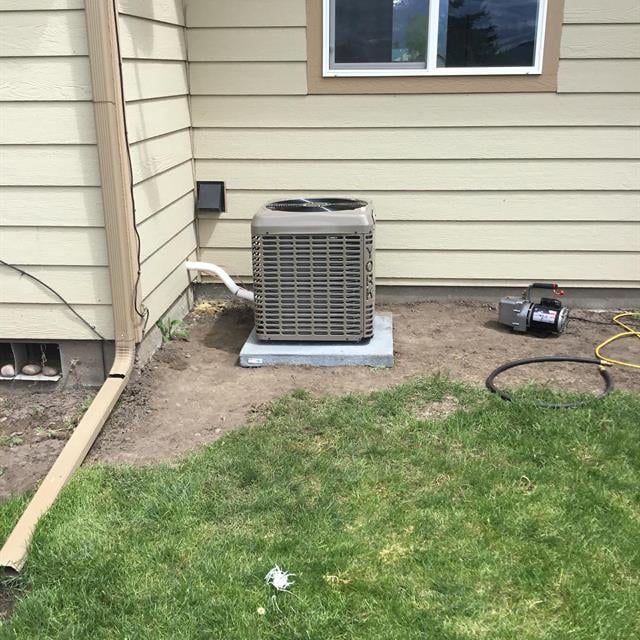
(22,272)
(141,311)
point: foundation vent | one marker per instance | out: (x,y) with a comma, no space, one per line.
(30,361)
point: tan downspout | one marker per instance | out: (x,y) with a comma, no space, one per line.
(121,245)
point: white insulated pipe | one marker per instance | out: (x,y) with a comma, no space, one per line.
(214,269)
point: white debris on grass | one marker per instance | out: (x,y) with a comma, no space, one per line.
(274,603)
(279,579)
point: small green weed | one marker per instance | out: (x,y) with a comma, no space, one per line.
(71,422)
(12,440)
(51,434)
(85,404)
(172,330)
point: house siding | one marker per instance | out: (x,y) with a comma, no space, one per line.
(469,190)
(51,216)
(156,90)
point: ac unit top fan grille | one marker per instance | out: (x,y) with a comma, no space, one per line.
(315,205)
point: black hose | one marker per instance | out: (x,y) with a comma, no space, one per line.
(608,382)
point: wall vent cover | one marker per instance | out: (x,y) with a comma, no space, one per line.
(313,270)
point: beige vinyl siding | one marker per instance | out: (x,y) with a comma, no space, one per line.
(457,235)
(480,110)
(146,79)
(51,215)
(40,5)
(401,175)
(152,118)
(601,41)
(77,286)
(49,165)
(158,192)
(46,322)
(599,76)
(55,246)
(74,123)
(480,189)
(165,224)
(61,33)
(154,51)
(427,143)
(146,39)
(476,268)
(599,12)
(153,156)
(250,78)
(46,78)
(464,205)
(246,13)
(171,11)
(280,44)
(30,206)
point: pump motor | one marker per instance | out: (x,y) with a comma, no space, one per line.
(522,314)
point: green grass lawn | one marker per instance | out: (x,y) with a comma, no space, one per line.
(498,521)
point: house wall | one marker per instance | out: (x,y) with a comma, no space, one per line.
(51,217)
(469,190)
(153,48)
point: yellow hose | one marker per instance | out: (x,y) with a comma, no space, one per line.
(628,331)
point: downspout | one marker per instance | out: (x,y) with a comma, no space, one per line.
(104,59)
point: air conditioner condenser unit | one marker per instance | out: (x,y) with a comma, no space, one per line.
(314,270)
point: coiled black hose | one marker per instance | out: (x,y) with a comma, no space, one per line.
(608,382)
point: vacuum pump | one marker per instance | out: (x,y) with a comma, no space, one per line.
(548,315)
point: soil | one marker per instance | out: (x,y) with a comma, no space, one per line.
(7,601)
(193,392)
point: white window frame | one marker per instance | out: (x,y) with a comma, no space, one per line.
(431,68)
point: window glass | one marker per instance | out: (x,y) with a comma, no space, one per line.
(380,31)
(487,33)
(465,37)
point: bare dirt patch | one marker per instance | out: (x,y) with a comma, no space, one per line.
(437,410)
(193,391)
(35,422)
(7,602)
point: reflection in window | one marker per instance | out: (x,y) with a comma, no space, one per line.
(433,37)
(380,31)
(487,33)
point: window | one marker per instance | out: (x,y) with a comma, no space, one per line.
(433,37)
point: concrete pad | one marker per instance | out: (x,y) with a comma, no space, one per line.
(376,352)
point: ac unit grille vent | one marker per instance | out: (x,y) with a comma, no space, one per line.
(312,286)
(316,205)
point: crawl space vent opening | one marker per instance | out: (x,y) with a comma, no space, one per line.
(32,361)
